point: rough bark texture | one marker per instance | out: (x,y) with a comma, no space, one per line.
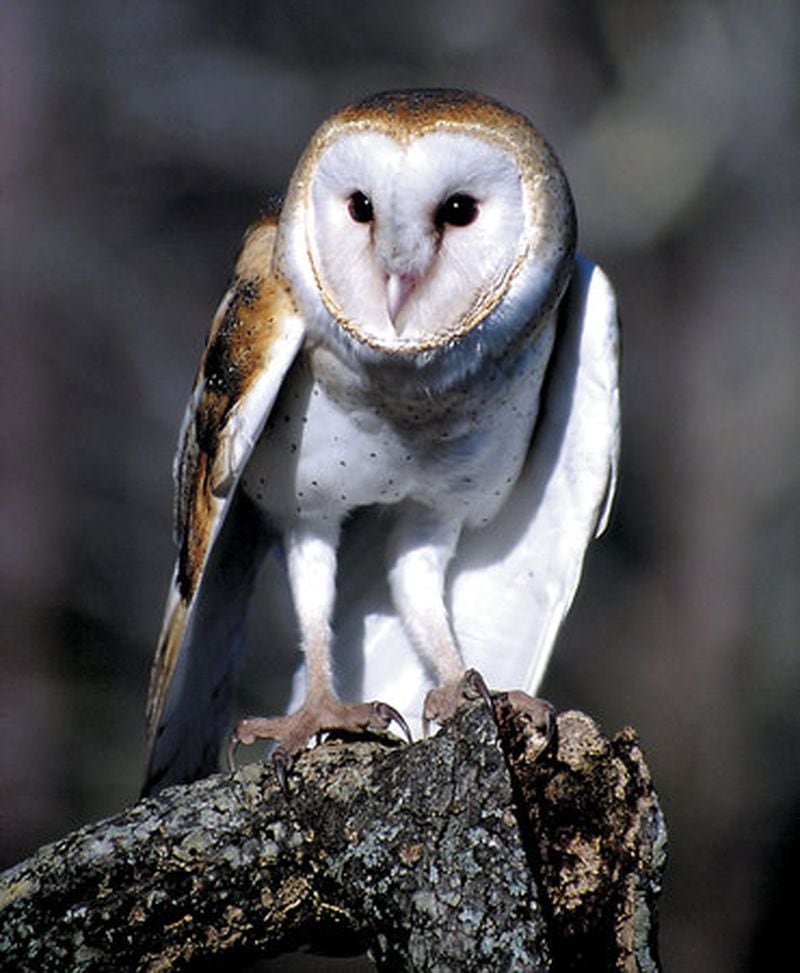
(451,854)
(596,834)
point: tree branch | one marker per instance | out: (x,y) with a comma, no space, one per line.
(450,854)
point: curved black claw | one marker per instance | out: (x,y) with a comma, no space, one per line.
(282,761)
(386,714)
(475,687)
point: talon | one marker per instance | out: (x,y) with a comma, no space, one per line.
(386,714)
(475,686)
(441,703)
(282,762)
(315,718)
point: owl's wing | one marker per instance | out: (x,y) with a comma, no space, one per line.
(511,583)
(512,588)
(254,338)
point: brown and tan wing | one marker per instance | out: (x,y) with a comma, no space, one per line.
(253,340)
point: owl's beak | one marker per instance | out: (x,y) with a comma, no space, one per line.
(398,291)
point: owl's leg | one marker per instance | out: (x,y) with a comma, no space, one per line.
(420,549)
(311,558)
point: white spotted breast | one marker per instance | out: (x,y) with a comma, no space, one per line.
(338,439)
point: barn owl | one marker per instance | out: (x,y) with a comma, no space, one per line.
(408,403)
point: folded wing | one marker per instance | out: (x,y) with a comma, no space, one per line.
(253,341)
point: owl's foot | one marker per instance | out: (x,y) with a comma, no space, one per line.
(537,715)
(314,718)
(441,703)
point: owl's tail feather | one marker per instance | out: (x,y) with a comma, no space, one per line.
(196,714)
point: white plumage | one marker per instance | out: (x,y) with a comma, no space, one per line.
(409,393)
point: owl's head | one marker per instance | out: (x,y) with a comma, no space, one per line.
(415,217)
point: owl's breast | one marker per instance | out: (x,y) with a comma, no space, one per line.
(340,438)
(324,452)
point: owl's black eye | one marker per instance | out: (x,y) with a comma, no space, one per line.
(360,207)
(460,209)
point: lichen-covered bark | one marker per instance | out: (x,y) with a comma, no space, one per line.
(597,838)
(426,855)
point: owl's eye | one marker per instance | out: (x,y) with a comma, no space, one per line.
(360,207)
(459,209)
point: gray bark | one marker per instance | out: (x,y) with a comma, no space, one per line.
(482,848)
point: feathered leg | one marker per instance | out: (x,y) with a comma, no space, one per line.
(420,550)
(311,558)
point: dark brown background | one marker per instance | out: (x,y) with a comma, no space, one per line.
(138,140)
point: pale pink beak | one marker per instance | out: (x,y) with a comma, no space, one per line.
(398,290)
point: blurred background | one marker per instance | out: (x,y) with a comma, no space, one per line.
(139,140)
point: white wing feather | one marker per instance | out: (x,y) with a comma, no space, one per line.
(507,613)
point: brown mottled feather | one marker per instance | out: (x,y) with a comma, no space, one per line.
(235,353)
